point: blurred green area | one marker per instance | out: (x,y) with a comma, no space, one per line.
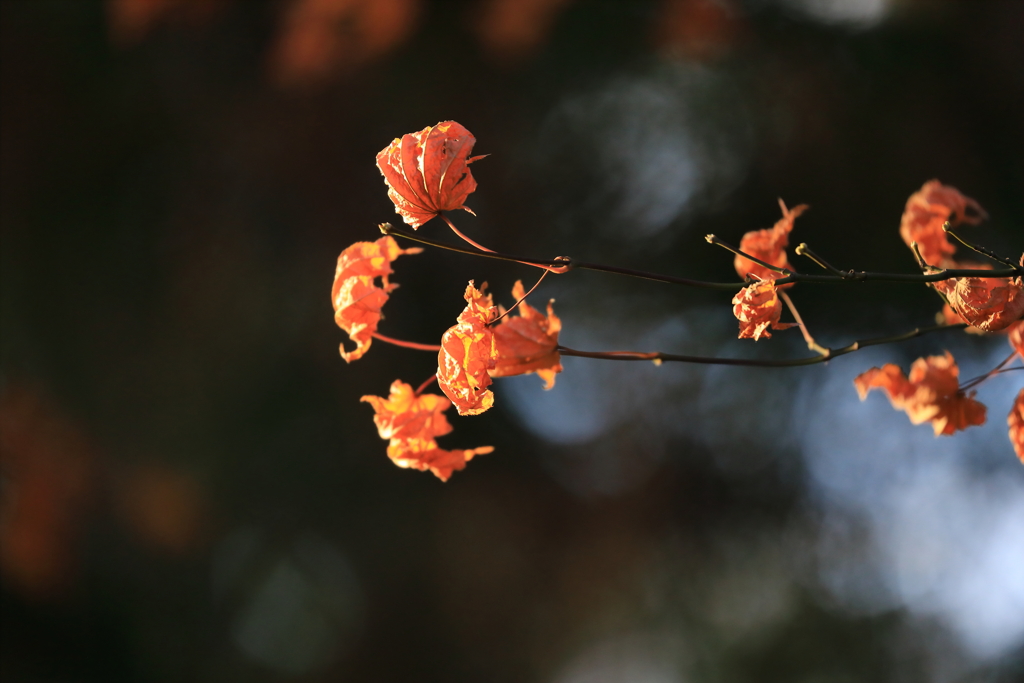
(191,489)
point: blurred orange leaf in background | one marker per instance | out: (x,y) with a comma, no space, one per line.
(411,422)
(528,342)
(769,245)
(468,354)
(428,172)
(357,300)
(47,467)
(926,212)
(931,393)
(1016,422)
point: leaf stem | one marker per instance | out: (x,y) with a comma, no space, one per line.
(803,328)
(522,299)
(406,344)
(421,388)
(750,362)
(970,384)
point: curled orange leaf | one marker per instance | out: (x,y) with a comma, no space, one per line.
(757,307)
(1015,420)
(528,342)
(990,303)
(428,172)
(468,354)
(769,245)
(356,297)
(410,423)
(404,415)
(931,393)
(926,212)
(1016,337)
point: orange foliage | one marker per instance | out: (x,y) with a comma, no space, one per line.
(989,303)
(931,394)
(1016,337)
(769,245)
(468,354)
(528,343)
(926,212)
(757,307)
(697,29)
(320,37)
(48,481)
(410,423)
(513,30)
(428,172)
(1016,422)
(357,299)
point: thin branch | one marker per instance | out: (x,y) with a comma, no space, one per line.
(970,384)
(564,264)
(803,250)
(407,344)
(712,239)
(522,298)
(463,236)
(748,362)
(981,250)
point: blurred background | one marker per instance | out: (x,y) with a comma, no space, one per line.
(191,490)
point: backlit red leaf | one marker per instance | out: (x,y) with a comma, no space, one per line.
(468,354)
(428,172)
(410,423)
(989,303)
(925,213)
(769,245)
(1016,422)
(528,342)
(356,297)
(931,393)
(757,307)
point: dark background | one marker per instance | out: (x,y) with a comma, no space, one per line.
(192,491)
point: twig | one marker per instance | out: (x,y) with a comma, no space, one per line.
(803,250)
(712,239)
(970,384)
(748,362)
(981,250)
(564,264)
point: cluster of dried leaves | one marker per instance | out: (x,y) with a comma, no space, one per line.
(428,173)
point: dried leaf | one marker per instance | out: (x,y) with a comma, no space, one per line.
(410,423)
(468,354)
(769,245)
(404,415)
(357,299)
(1015,420)
(428,172)
(528,342)
(926,212)
(931,393)
(1016,337)
(757,307)
(989,303)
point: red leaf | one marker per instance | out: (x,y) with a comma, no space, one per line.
(468,354)
(757,307)
(528,342)
(1016,422)
(357,299)
(925,213)
(931,393)
(428,172)
(769,245)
